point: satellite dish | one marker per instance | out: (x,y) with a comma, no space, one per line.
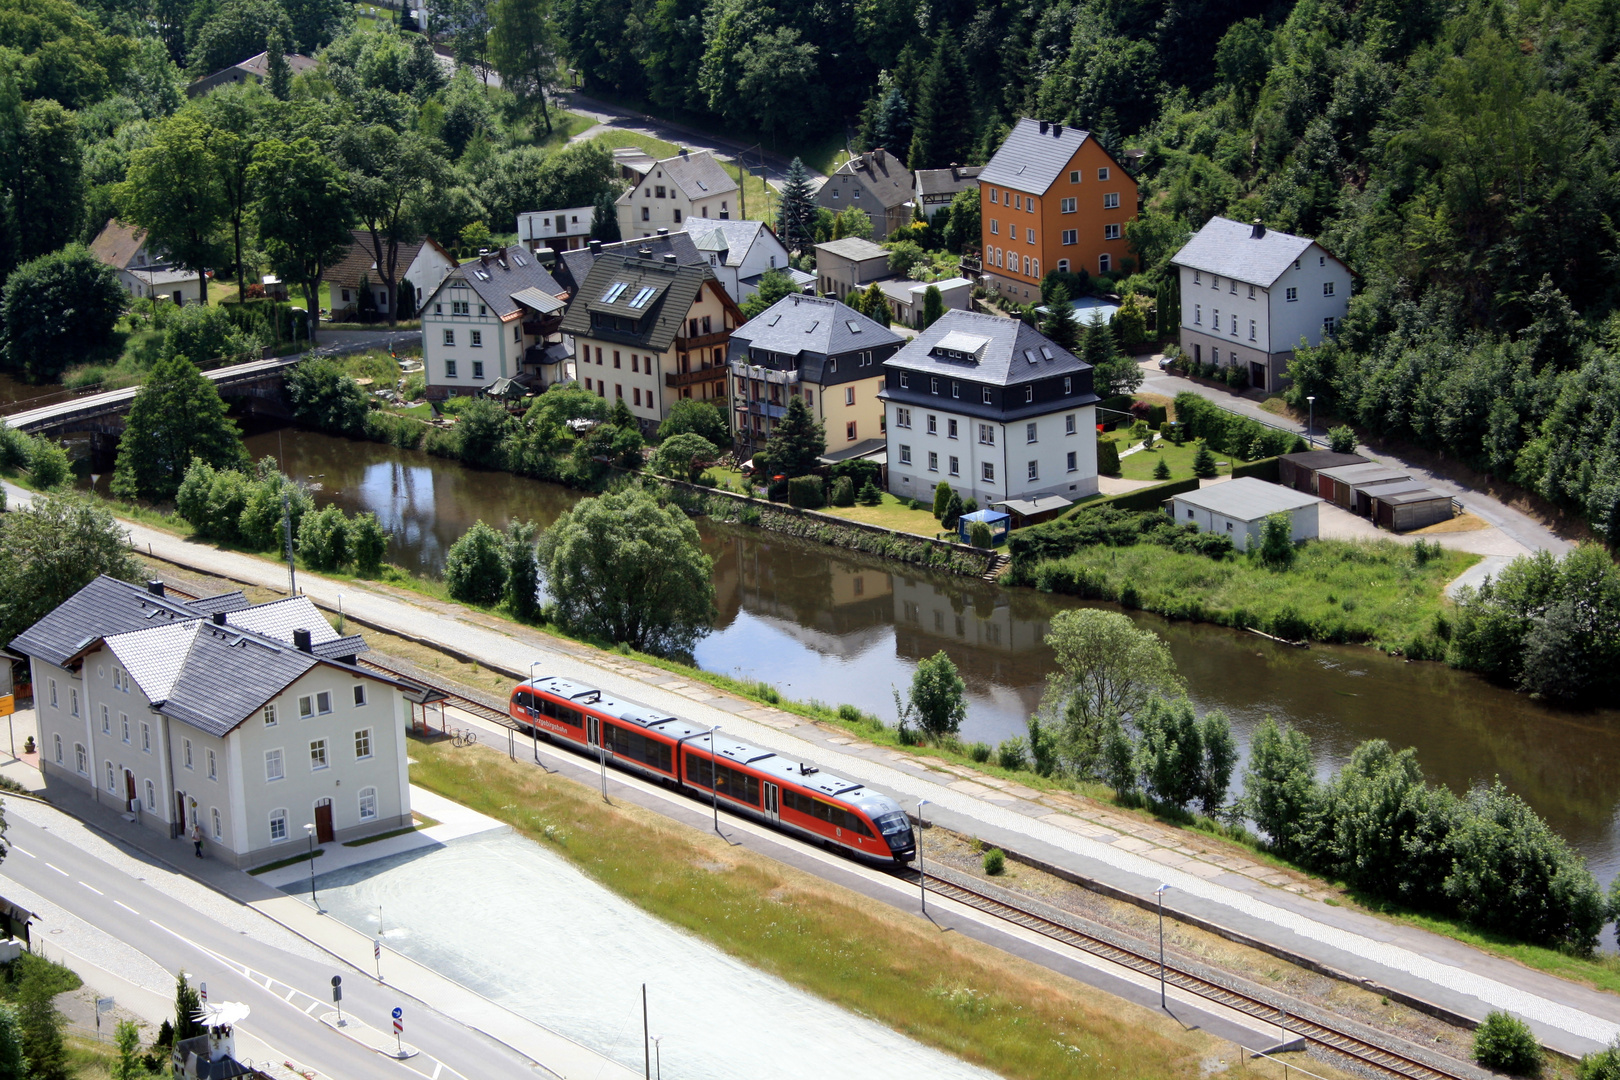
(222,1014)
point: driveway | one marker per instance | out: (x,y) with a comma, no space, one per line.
(1514,525)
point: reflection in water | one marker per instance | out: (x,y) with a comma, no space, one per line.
(840,627)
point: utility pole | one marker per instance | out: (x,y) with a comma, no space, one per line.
(286,530)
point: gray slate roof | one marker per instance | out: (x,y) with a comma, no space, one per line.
(1316,460)
(657,321)
(879,172)
(1246,498)
(573,267)
(698,175)
(503,274)
(734,238)
(204,674)
(998,345)
(796,325)
(1029,160)
(854,248)
(947,181)
(1230,248)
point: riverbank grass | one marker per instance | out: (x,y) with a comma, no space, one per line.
(893,513)
(944,990)
(1336,590)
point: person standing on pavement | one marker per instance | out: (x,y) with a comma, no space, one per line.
(197,837)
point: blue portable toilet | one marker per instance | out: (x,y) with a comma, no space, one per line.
(999,524)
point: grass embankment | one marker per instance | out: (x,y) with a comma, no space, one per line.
(1336,590)
(892,513)
(944,990)
(1140,465)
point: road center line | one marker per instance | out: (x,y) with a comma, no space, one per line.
(23,851)
(59,870)
(126,907)
(93,889)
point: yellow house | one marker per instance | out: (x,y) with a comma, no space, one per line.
(650,333)
(818,349)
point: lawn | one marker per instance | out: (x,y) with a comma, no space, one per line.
(1140,465)
(758,200)
(945,990)
(892,514)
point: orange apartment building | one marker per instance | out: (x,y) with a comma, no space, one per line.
(1051,199)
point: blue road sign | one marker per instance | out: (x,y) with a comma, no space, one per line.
(398,1012)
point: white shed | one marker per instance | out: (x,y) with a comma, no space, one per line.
(1239,508)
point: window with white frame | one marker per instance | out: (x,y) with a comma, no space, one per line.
(306,706)
(1029,394)
(902,418)
(1029,433)
(1327,288)
(1290,294)
(219,831)
(1110,232)
(278,826)
(1034,471)
(123,723)
(933,424)
(987,435)
(478,369)
(81,759)
(146,737)
(933,385)
(956,466)
(905,383)
(1252,328)
(106,721)
(905,454)
(270,716)
(849,395)
(987,472)
(317,754)
(1104,263)
(1198,314)
(362,744)
(450,369)
(995,227)
(368,804)
(1074,458)
(359,694)
(933,461)
(274,767)
(449,337)
(478,339)
(151,797)
(73,702)
(57,745)
(950,429)
(112,780)
(213,766)
(1067,206)
(1071,236)
(1111,201)
(186,753)
(1102,174)
(985,393)
(323,702)
(1069,424)
(1328,325)
(1074,176)
(1068,384)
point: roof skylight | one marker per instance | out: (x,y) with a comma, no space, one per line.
(644,294)
(854,327)
(615,291)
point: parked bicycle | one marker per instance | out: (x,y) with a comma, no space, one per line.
(463,737)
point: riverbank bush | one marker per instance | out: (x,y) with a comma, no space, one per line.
(1335,590)
(1109,526)
(1379,826)
(241,509)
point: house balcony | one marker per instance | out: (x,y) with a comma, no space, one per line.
(761,408)
(695,376)
(542,328)
(768,376)
(703,341)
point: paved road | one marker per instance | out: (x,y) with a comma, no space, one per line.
(1516,524)
(53,856)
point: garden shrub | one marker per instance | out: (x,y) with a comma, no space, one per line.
(475,566)
(995,862)
(47,463)
(323,539)
(805,492)
(843,491)
(1107,457)
(980,752)
(1506,1044)
(870,495)
(368,543)
(1010,753)
(980,534)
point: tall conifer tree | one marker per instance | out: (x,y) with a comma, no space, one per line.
(942,123)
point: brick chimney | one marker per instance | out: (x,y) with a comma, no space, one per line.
(302,641)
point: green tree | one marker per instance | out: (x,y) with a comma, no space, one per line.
(796,442)
(206,333)
(903,255)
(684,457)
(51,549)
(1060,324)
(942,499)
(234,31)
(53,308)
(323,539)
(48,464)
(1280,793)
(368,543)
(874,304)
(390,176)
(962,229)
(933,307)
(1506,1044)
(1113,373)
(624,569)
(173,191)
(13,1065)
(325,397)
(1277,541)
(605,218)
(237,119)
(796,216)
(46,177)
(523,48)
(1161,471)
(522,592)
(187,1004)
(41,1024)
(690,415)
(943,125)
(128,1066)
(302,206)
(1204,462)
(1342,439)
(1108,457)
(279,77)
(176,416)
(1107,670)
(852,221)
(954,509)
(774,285)
(481,430)
(1603,1065)
(475,566)
(938,699)
(891,123)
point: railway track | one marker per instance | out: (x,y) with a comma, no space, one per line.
(1313,1032)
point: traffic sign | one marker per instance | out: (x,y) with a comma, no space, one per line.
(398,1012)
(337,980)
(376,949)
(8,705)
(399,1022)
(202,993)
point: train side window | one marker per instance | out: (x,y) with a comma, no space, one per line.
(525,701)
(568,716)
(853,821)
(697,770)
(636,746)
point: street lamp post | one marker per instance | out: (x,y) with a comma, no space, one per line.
(1159,892)
(922,879)
(309,831)
(534,730)
(1310,424)
(658,1057)
(714,776)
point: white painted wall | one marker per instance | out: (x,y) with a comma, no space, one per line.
(498,347)
(1302,318)
(1010,453)
(1244,532)
(1254,317)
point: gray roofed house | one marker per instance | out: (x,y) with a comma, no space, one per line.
(936,188)
(635,301)
(574,266)
(739,252)
(992,407)
(491,318)
(844,266)
(237,720)
(815,348)
(501,276)
(1235,250)
(672,189)
(876,182)
(1238,508)
(254,68)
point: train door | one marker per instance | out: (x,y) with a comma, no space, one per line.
(773,812)
(593,736)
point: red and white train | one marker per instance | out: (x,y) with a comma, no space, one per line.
(789,795)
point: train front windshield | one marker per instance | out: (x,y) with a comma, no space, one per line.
(896,830)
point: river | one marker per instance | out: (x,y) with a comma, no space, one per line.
(836,626)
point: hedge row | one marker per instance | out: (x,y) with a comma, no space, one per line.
(1229,433)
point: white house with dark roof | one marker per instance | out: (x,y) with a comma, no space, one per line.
(559,230)
(818,349)
(674,189)
(495,317)
(878,183)
(422,262)
(991,407)
(935,189)
(145,272)
(248,721)
(1250,295)
(739,253)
